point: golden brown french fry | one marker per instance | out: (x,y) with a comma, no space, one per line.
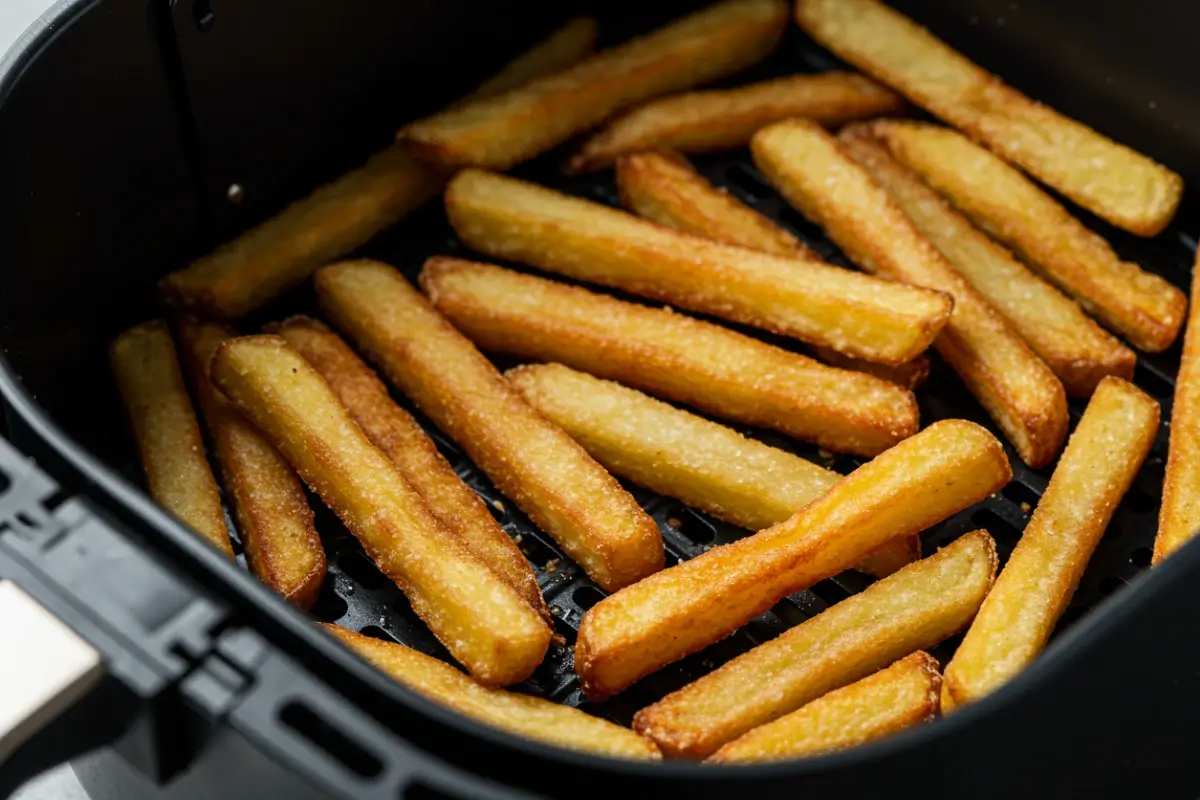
(563,48)
(665,188)
(1179,517)
(268,501)
(1141,306)
(484,623)
(548,475)
(502,131)
(829,187)
(400,437)
(680,455)
(1078,350)
(1104,454)
(917,607)
(700,122)
(169,444)
(910,374)
(857,314)
(714,369)
(1115,182)
(895,698)
(338,217)
(523,715)
(921,481)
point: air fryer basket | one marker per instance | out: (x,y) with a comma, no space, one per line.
(121,127)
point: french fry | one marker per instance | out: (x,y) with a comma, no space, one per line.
(895,698)
(286,249)
(921,481)
(502,131)
(1078,350)
(909,375)
(676,357)
(1179,517)
(400,437)
(1104,454)
(164,424)
(680,455)
(548,475)
(666,189)
(829,187)
(1115,182)
(856,314)
(523,715)
(268,501)
(484,623)
(917,607)
(1141,306)
(700,122)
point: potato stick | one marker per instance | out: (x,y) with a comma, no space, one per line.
(1112,181)
(1078,350)
(919,482)
(484,623)
(895,698)
(268,501)
(340,216)
(563,48)
(676,357)
(1141,306)
(548,475)
(523,715)
(680,455)
(857,314)
(917,607)
(400,437)
(909,375)
(1179,517)
(829,187)
(1104,454)
(169,444)
(664,188)
(502,131)
(700,122)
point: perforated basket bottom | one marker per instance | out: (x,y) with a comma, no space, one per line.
(357,596)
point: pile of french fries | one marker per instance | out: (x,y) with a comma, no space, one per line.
(960,250)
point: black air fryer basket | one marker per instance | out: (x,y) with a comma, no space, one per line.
(123,126)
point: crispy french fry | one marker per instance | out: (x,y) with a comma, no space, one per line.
(1179,517)
(548,475)
(400,437)
(523,715)
(895,698)
(700,122)
(917,607)
(666,189)
(921,481)
(829,187)
(164,424)
(1104,454)
(563,48)
(711,368)
(502,131)
(1078,350)
(910,374)
(338,217)
(1115,182)
(268,501)
(484,623)
(680,455)
(857,314)
(1141,306)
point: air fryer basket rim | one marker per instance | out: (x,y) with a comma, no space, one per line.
(1069,651)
